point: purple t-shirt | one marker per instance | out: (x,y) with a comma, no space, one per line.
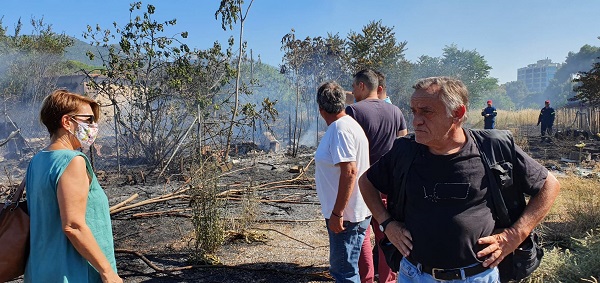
(381,122)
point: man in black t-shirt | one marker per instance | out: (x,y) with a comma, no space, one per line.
(448,229)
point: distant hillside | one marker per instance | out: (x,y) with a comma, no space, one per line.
(78,51)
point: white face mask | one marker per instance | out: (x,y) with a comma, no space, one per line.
(86,134)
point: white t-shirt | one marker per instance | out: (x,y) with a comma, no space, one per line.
(344,141)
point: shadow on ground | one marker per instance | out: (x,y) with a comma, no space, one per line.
(133,269)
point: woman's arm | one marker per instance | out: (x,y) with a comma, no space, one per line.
(72,193)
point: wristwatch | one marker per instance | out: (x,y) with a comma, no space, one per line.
(385,223)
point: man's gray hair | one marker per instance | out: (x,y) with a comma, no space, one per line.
(452,92)
(331,97)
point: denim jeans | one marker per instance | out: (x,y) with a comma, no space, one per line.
(410,273)
(344,250)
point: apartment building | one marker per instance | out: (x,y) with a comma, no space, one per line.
(537,76)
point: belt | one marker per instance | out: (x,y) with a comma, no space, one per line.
(450,273)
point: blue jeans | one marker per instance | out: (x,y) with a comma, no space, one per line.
(344,250)
(410,273)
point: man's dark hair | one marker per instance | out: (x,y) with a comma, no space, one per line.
(331,97)
(368,77)
(380,79)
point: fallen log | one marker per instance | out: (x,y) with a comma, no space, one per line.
(178,193)
(148,201)
(168,212)
(123,203)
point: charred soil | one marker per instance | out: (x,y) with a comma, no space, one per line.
(286,241)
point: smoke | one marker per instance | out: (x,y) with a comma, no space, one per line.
(309,136)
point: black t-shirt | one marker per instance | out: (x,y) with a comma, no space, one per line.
(447,200)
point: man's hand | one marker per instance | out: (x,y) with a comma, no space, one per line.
(336,224)
(498,247)
(400,237)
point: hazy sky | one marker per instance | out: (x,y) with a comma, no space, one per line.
(510,34)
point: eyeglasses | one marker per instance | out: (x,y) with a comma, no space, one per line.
(89,119)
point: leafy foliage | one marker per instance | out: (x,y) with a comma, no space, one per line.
(467,65)
(79,52)
(144,83)
(231,11)
(375,48)
(378,48)
(561,86)
(517,91)
(589,88)
(32,62)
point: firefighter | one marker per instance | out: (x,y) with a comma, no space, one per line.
(546,118)
(489,116)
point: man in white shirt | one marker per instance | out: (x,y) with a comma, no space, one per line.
(342,156)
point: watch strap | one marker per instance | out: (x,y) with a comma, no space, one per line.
(385,223)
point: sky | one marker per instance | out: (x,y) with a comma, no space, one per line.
(509,34)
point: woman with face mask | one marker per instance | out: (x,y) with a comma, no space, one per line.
(71,235)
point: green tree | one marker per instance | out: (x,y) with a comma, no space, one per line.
(427,66)
(30,65)
(588,89)
(146,97)
(561,86)
(231,11)
(32,61)
(378,48)
(467,65)
(517,92)
(498,96)
(471,68)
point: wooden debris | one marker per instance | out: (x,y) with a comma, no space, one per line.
(173,212)
(123,203)
(295,169)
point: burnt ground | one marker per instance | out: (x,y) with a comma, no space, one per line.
(295,239)
(287,240)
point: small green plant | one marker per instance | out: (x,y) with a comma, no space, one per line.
(206,214)
(249,206)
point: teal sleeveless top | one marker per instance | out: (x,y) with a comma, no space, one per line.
(52,257)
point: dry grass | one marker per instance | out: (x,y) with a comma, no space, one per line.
(515,121)
(577,264)
(577,206)
(571,234)
(506,120)
(571,231)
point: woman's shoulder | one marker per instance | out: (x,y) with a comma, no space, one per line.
(65,155)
